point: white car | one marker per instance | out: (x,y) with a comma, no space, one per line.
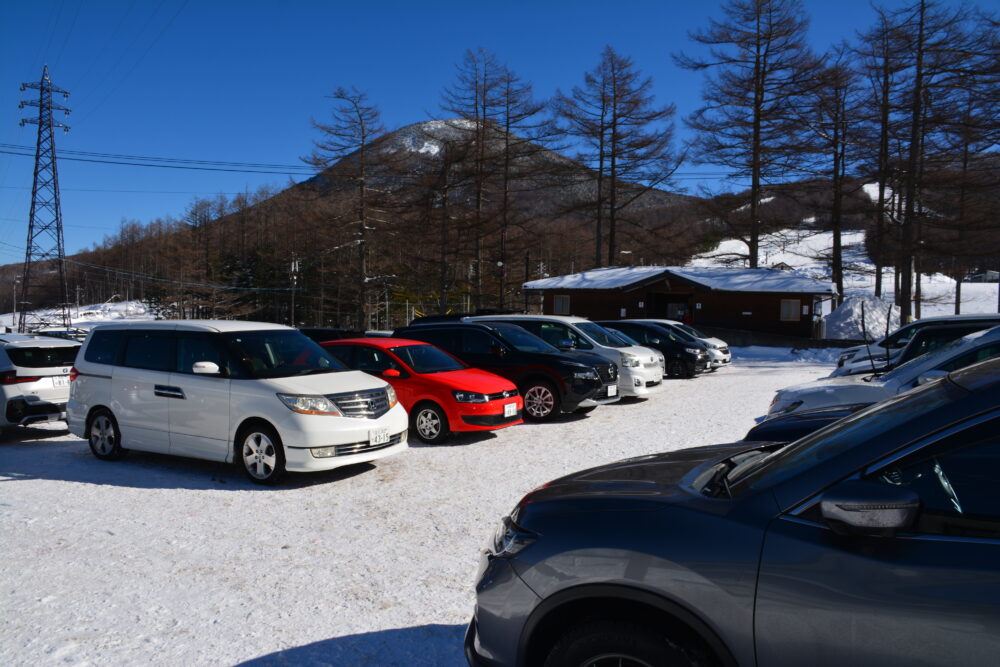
(719,354)
(854,389)
(262,395)
(34,378)
(885,351)
(640,369)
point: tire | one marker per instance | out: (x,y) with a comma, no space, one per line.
(676,369)
(104,437)
(586,410)
(541,401)
(261,455)
(617,644)
(429,423)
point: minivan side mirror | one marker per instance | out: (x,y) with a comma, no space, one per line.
(869,508)
(205,368)
(930,376)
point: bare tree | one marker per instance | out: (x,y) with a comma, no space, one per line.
(762,66)
(626,139)
(355,124)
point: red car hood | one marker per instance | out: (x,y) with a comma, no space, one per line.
(472,379)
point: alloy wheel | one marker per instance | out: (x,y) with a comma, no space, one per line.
(259,456)
(539,401)
(102,435)
(428,424)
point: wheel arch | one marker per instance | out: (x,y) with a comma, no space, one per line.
(90,417)
(246,423)
(565,609)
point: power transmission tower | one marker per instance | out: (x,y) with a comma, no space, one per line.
(45,232)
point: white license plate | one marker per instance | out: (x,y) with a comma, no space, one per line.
(510,409)
(378,436)
(612,390)
(58,381)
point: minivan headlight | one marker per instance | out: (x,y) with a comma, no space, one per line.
(629,360)
(390,394)
(310,405)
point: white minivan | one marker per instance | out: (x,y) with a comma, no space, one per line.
(262,395)
(640,369)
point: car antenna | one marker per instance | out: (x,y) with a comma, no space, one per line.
(888,320)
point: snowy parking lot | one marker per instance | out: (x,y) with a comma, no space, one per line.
(162,560)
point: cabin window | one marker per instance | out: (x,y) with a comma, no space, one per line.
(790,309)
(560,304)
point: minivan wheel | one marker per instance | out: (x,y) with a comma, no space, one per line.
(104,437)
(262,455)
(539,400)
(617,644)
(430,424)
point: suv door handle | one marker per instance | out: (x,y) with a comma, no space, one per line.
(168,392)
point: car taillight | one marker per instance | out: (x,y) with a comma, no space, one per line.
(73,373)
(11,377)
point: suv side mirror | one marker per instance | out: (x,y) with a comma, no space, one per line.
(930,376)
(868,508)
(205,368)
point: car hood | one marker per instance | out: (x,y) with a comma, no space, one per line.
(471,379)
(656,476)
(714,342)
(836,391)
(340,382)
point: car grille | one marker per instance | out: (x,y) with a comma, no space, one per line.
(608,373)
(724,350)
(370,404)
(510,393)
(362,447)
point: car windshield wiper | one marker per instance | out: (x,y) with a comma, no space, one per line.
(740,464)
(314,371)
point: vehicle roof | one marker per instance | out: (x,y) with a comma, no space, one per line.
(28,340)
(568,319)
(224,326)
(382,341)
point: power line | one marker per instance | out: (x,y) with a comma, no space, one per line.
(171,160)
(163,166)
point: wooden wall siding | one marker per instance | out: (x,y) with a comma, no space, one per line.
(753,311)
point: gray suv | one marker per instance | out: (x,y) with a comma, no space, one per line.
(873,541)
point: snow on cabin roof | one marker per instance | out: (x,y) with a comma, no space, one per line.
(719,278)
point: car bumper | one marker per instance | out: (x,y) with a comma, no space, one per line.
(602,397)
(352,438)
(640,381)
(20,411)
(485,416)
(299,459)
(503,605)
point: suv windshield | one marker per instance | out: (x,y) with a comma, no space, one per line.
(841,436)
(523,341)
(43,357)
(427,359)
(280,353)
(601,335)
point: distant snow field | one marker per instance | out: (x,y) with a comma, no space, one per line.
(160,560)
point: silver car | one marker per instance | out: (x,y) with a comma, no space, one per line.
(34,378)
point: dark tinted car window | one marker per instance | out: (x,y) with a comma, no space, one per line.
(522,340)
(343,353)
(104,346)
(427,359)
(373,359)
(843,435)
(201,347)
(42,357)
(956,482)
(477,341)
(446,339)
(982,354)
(149,350)
(281,353)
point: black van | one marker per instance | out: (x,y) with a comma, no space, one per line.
(549,380)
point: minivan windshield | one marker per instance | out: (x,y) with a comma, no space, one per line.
(280,353)
(523,341)
(427,359)
(600,335)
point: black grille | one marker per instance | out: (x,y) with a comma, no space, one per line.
(510,393)
(362,447)
(724,350)
(370,404)
(608,373)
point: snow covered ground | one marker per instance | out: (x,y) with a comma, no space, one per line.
(174,561)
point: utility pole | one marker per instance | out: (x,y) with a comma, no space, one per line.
(295,282)
(45,231)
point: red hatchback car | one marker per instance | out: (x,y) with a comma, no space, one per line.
(441,393)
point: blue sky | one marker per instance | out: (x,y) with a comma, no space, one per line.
(238,81)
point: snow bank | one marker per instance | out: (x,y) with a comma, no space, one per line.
(760,353)
(847,323)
